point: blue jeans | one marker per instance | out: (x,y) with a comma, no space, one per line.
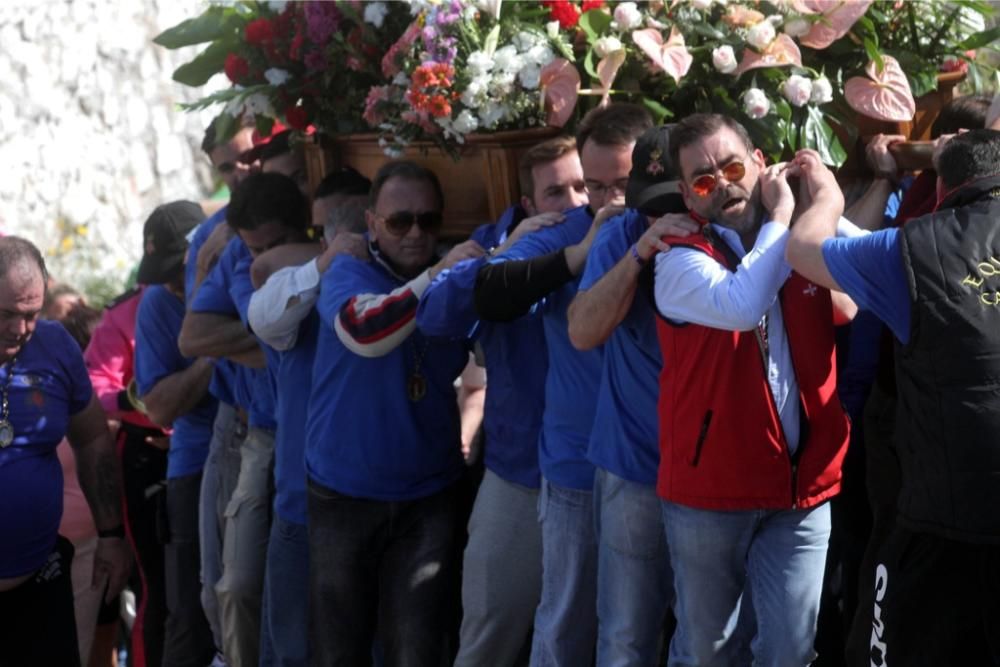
(783,553)
(501,575)
(635,585)
(384,564)
(284,633)
(566,619)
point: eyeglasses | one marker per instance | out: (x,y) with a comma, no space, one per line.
(600,189)
(705,184)
(400,222)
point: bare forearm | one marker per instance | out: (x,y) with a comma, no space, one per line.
(213,335)
(869,211)
(178,394)
(576,255)
(292,254)
(595,313)
(804,250)
(100,479)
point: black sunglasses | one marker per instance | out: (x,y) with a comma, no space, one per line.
(400,222)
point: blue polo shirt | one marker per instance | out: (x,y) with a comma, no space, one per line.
(573,377)
(624,438)
(224,376)
(516,360)
(294,384)
(214,297)
(157,325)
(365,437)
(870,270)
(49,385)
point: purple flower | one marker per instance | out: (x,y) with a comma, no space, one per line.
(322,21)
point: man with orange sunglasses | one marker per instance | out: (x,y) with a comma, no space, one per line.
(752,436)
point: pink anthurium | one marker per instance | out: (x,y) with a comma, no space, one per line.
(838,17)
(782,52)
(882,95)
(560,83)
(672,57)
(607,71)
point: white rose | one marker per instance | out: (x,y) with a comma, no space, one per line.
(466,122)
(755,103)
(797,27)
(822,91)
(797,90)
(502,84)
(701,5)
(761,34)
(552,29)
(479,63)
(530,76)
(607,45)
(506,59)
(628,16)
(540,55)
(375,13)
(723,59)
(276,76)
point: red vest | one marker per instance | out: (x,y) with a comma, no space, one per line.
(722,446)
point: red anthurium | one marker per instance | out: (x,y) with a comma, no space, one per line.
(259,32)
(884,95)
(297,117)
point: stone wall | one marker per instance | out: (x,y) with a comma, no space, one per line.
(91,137)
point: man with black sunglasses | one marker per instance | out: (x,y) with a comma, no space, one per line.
(752,435)
(383,451)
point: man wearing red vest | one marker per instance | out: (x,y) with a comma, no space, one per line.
(752,435)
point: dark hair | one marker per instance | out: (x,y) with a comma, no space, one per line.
(962,113)
(80,322)
(344,181)
(405,170)
(692,129)
(208,141)
(280,144)
(968,157)
(263,198)
(543,153)
(57,290)
(14,250)
(618,124)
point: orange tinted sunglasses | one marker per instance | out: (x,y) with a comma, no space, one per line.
(705,184)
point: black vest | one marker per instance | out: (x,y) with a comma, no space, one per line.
(948,375)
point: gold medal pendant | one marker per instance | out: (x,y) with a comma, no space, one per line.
(416,387)
(6,433)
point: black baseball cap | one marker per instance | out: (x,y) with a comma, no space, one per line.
(654,182)
(164,238)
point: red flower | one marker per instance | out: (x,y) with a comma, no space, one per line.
(236,68)
(592,4)
(297,117)
(439,106)
(563,11)
(423,77)
(259,32)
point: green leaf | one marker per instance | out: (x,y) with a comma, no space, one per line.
(980,39)
(264,125)
(594,23)
(206,64)
(819,136)
(588,64)
(657,110)
(709,31)
(205,28)
(871,48)
(490,44)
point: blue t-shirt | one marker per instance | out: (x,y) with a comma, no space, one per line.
(516,361)
(573,377)
(870,270)
(157,325)
(214,296)
(262,399)
(224,375)
(365,437)
(49,385)
(294,384)
(624,438)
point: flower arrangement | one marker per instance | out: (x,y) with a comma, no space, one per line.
(441,69)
